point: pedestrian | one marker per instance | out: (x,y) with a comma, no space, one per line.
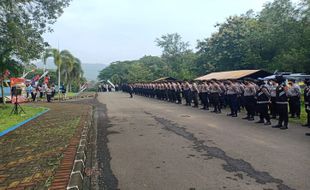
(48,92)
(28,90)
(282,103)
(34,93)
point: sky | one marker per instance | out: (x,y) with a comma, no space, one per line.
(105,31)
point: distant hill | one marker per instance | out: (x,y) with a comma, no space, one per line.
(91,71)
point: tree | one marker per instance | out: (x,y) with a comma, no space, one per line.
(172,45)
(22,24)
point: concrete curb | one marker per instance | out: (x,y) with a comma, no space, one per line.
(78,170)
(22,123)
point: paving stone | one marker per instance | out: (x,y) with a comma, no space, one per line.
(31,154)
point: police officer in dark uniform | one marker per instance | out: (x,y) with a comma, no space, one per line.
(307,101)
(282,103)
(263,100)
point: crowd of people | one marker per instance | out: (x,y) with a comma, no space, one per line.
(276,98)
(42,91)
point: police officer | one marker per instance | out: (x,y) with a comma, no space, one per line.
(187,93)
(282,103)
(249,100)
(273,105)
(215,96)
(232,92)
(263,100)
(294,99)
(178,93)
(307,101)
(195,92)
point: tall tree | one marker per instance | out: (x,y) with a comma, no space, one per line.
(22,24)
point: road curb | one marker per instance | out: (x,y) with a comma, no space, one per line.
(71,171)
(22,123)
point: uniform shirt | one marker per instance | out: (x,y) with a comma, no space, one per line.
(307,95)
(204,88)
(249,90)
(231,89)
(194,88)
(294,90)
(48,91)
(214,88)
(273,90)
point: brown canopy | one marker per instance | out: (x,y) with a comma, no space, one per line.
(238,74)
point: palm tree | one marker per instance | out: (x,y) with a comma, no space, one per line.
(62,59)
(67,66)
(76,73)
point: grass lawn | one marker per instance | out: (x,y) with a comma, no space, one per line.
(7,120)
(303,115)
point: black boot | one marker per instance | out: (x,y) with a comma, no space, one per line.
(284,127)
(277,126)
(260,121)
(268,123)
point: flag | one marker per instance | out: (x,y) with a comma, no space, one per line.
(15,81)
(7,73)
(46,79)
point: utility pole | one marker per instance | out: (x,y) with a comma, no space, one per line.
(59,73)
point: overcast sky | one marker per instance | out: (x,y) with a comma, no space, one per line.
(104,31)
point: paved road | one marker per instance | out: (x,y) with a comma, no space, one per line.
(162,146)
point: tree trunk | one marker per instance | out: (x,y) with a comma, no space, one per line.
(2,81)
(2,92)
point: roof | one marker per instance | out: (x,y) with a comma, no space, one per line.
(165,79)
(228,75)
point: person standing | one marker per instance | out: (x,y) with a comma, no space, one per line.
(294,99)
(178,93)
(187,93)
(282,103)
(34,93)
(232,93)
(307,101)
(49,92)
(249,100)
(130,90)
(204,96)
(195,92)
(263,100)
(28,90)
(273,105)
(215,96)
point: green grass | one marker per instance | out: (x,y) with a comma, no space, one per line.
(303,116)
(7,120)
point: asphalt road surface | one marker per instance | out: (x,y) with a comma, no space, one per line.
(147,144)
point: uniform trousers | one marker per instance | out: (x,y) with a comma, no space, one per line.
(249,103)
(283,113)
(295,106)
(262,109)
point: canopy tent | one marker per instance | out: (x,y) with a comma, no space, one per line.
(235,75)
(165,79)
